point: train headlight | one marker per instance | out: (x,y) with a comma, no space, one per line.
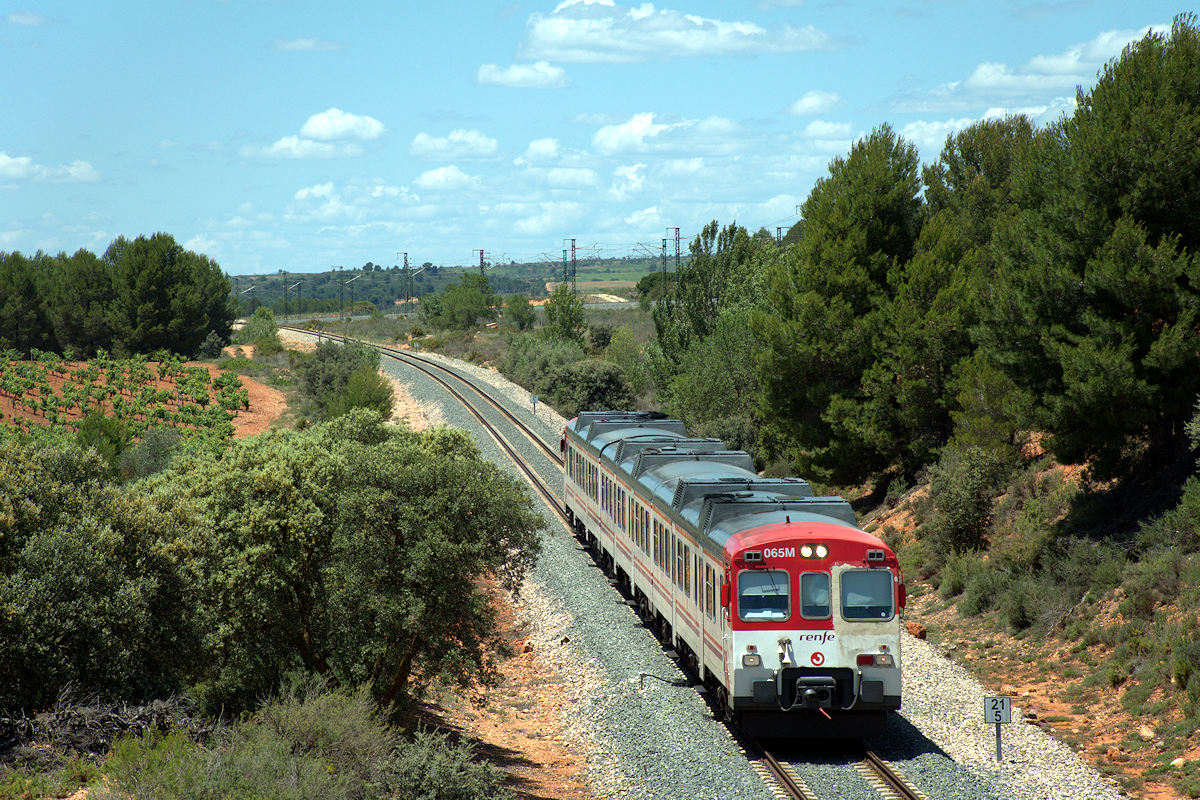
(813,551)
(751,660)
(806,551)
(822,551)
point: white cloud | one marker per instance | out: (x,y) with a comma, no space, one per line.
(820,129)
(992,83)
(205,245)
(551,218)
(459,144)
(450,177)
(627,180)
(337,124)
(540,75)
(647,216)
(629,136)
(309,45)
(589,32)
(25,17)
(320,190)
(683,166)
(930,137)
(539,150)
(641,134)
(568,177)
(25,168)
(815,102)
(296,147)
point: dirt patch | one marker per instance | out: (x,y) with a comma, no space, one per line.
(518,724)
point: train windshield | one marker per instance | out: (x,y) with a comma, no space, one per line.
(763,595)
(814,595)
(867,594)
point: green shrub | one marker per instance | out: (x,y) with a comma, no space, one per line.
(982,591)
(365,388)
(534,361)
(953,577)
(150,455)
(599,335)
(260,326)
(588,385)
(325,374)
(963,485)
(105,434)
(90,598)
(309,743)
(211,346)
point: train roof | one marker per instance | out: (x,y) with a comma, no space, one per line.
(712,489)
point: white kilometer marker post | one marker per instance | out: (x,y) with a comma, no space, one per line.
(999,711)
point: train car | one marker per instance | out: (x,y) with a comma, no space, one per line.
(774,598)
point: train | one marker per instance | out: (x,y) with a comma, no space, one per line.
(773,598)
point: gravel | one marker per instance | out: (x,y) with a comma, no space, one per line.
(653,737)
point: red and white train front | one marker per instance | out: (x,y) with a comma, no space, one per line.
(814,628)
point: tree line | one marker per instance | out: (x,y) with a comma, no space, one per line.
(141,295)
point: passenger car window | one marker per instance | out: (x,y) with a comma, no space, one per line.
(814,595)
(763,595)
(867,594)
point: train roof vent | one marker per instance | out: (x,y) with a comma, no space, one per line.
(628,448)
(657,456)
(718,508)
(687,491)
(596,427)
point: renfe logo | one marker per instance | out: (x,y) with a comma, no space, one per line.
(779,552)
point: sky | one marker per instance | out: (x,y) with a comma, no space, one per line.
(275,135)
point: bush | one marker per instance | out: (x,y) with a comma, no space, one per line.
(365,388)
(104,434)
(212,346)
(600,334)
(588,385)
(309,743)
(260,326)
(520,312)
(982,590)
(90,598)
(957,570)
(534,362)
(326,373)
(150,455)
(963,485)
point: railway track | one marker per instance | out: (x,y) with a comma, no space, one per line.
(877,772)
(785,774)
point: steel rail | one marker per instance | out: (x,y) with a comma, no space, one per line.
(894,780)
(783,777)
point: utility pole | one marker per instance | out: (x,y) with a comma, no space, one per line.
(483,254)
(677,251)
(341,294)
(779,235)
(569,267)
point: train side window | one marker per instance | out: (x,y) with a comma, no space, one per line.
(763,594)
(867,594)
(710,597)
(814,595)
